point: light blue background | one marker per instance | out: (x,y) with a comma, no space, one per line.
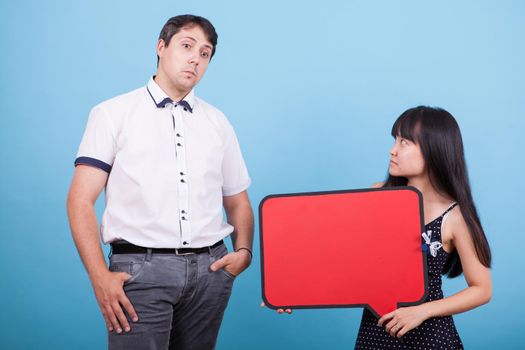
(312,89)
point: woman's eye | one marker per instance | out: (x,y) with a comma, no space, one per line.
(404,142)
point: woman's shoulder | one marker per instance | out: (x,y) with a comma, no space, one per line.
(377,184)
(455,222)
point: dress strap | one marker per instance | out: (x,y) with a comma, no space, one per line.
(445,214)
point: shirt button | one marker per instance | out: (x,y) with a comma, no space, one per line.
(182,180)
(185,108)
(178,144)
(181,173)
(178,135)
(185,243)
(183,218)
(183,212)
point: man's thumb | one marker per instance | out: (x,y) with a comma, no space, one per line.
(219,264)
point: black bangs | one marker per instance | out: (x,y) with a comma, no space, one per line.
(408,125)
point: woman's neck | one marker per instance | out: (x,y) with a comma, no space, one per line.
(434,202)
(430,194)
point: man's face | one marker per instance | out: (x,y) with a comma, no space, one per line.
(184,61)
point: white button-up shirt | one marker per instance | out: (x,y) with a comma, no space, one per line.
(169,164)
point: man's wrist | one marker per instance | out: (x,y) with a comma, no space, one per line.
(98,273)
(244,249)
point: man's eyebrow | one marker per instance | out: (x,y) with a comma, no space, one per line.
(195,40)
(188,37)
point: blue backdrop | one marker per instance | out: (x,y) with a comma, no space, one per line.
(312,90)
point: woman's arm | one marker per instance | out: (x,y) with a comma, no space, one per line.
(477,276)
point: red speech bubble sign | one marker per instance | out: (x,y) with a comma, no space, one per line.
(356,248)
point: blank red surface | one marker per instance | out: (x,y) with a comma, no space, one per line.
(355,248)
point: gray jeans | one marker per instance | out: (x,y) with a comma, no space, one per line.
(180,302)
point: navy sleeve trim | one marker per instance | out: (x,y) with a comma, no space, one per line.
(93,162)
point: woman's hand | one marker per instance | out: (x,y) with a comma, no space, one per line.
(404,319)
(279,311)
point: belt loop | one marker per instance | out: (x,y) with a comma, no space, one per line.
(148,254)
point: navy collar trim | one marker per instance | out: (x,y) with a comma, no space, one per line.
(159,93)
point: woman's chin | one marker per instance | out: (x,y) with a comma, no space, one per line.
(393,173)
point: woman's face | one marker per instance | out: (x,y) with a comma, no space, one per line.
(406,159)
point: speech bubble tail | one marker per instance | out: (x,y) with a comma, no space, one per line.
(382,308)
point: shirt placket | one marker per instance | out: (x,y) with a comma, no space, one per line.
(182,174)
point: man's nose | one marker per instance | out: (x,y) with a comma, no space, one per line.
(194,58)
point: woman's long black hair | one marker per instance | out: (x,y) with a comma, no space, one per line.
(437,133)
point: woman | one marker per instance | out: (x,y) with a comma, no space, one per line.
(428,154)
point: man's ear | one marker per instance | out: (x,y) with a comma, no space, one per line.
(160,47)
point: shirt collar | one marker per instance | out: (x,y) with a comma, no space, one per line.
(160,98)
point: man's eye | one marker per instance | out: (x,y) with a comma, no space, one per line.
(187,46)
(205,54)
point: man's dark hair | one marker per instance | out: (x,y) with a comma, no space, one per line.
(175,24)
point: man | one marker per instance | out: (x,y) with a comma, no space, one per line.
(169,162)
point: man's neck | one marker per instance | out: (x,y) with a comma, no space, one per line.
(170,90)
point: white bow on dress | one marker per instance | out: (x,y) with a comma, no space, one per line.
(434,246)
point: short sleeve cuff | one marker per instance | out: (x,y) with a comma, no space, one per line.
(94,163)
(232,191)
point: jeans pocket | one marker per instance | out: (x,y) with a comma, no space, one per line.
(229,275)
(219,253)
(130,264)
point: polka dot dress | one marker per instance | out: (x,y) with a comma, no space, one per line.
(434,333)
